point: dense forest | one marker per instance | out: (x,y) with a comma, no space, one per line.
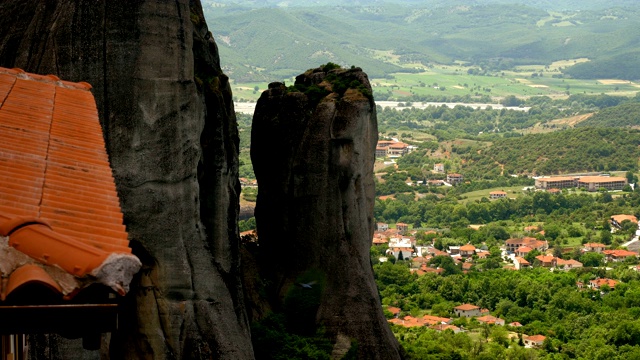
(623,66)
(574,150)
(625,115)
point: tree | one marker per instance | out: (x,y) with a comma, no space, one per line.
(605,237)
(557,252)
(552,231)
(592,259)
(629,177)
(531,256)
(446,263)
(499,335)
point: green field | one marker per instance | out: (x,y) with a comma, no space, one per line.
(512,192)
(452,80)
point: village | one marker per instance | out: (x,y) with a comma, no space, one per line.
(401,245)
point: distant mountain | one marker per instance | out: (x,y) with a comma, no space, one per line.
(541,4)
(266,40)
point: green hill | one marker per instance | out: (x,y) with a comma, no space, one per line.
(576,150)
(274,43)
(624,66)
(624,115)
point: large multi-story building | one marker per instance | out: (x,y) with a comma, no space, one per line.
(590,183)
(455,178)
(558,182)
(594,183)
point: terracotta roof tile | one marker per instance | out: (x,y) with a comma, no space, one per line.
(466,307)
(58,200)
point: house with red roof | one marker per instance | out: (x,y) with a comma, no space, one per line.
(520,263)
(598,283)
(546,260)
(467,310)
(65,257)
(434,320)
(467,250)
(394,310)
(497,195)
(533,341)
(514,244)
(619,255)
(382,226)
(568,264)
(402,228)
(515,324)
(594,247)
(401,253)
(490,320)
(444,327)
(523,251)
(454,179)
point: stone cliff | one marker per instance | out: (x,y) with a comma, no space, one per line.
(313,148)
(171,135)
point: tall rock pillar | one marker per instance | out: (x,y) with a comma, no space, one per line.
(169,123)
(313,149)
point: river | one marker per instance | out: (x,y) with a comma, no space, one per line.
(249,107)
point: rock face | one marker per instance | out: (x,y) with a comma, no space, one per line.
(171,135)
(313,151)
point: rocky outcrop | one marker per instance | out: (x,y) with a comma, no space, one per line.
(170,132)
(313,148)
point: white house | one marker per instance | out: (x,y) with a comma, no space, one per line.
(467,310)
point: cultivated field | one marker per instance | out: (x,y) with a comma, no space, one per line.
(460,79)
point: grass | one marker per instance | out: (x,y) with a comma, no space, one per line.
(512,192)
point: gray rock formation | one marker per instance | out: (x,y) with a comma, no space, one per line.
(313,151)
(170,130)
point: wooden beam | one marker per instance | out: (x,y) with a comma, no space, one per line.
(68,320)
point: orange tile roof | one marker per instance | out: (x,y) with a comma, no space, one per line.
(620,253)
(467,247)
(620,218)
(524,249)
(489,319)
(443,327)
(432,320)
(536,338)
(545,258)
(601,179)
(595,245)
(599,282)
(557,178)
(466,307)
(58,200)
(394,310)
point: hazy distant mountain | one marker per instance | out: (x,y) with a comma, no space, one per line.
(264,40)
(542,4)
